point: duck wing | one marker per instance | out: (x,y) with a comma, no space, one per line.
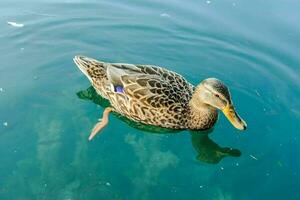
(151,85)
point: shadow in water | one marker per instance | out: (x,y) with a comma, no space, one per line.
(208,151)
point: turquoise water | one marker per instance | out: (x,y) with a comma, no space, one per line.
(47,107)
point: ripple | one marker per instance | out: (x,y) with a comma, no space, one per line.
(256,63)
(254,53)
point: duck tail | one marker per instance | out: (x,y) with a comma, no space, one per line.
(90,67)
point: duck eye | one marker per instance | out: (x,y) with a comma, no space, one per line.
(216,95)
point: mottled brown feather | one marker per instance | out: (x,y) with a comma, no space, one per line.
(152,95)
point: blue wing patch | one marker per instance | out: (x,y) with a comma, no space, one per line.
(119,89)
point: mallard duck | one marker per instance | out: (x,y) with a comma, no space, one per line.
(207,150)
(157,96)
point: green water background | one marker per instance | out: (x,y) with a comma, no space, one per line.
(253,46)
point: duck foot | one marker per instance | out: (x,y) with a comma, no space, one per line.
(101,124)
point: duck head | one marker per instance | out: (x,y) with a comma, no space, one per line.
(214,93)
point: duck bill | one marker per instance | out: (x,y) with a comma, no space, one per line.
(234,118)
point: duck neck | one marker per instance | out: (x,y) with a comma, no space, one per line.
(201,116)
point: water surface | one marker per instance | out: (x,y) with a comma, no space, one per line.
(47,107)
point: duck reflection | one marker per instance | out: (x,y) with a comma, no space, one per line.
(207,150)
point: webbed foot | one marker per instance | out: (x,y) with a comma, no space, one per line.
(101,124)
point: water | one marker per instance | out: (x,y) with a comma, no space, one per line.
(47,107)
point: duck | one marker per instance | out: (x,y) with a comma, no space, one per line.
(206,149)
(156,96)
